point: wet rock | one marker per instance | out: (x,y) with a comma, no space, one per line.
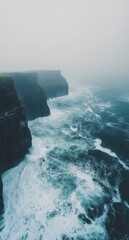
(117,222)
(84,219)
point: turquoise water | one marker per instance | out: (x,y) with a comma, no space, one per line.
(50,195)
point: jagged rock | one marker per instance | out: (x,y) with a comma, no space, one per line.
(117,222)
(31,94)
(15,136)
(53,83)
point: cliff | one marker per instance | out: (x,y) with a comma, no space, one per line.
(53,83)
(1,197)
(15,136)
(31,94)
(33,87)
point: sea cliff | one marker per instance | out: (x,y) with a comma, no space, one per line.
(30,94)
(15,136)
(53,83)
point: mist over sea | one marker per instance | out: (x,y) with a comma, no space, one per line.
(76,173)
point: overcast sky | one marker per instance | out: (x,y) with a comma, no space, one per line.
(87,39)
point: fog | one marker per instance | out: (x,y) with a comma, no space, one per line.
(88,40)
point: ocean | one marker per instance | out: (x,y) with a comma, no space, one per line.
(74,182)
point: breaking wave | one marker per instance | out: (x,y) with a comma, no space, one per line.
(64,187)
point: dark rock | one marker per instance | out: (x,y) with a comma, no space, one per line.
(31,94)
(117,222)
(1,197)
(53,83)
(84,219)
(15,136)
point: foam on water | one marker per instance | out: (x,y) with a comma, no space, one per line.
(40,203)
(45,194)
(98,146)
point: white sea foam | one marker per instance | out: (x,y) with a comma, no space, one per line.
(44,194)
(126,204)
(36,208)
(74,129)
(116,196)
(98,146)
(123,164)
(103,106)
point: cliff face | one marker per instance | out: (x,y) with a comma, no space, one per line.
(15,137)
(1,197)
(53,83)
(31,94)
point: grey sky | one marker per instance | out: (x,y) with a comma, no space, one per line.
(86,39)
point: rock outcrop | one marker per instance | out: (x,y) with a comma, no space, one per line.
(53,83)
(31,94)
(15,136)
